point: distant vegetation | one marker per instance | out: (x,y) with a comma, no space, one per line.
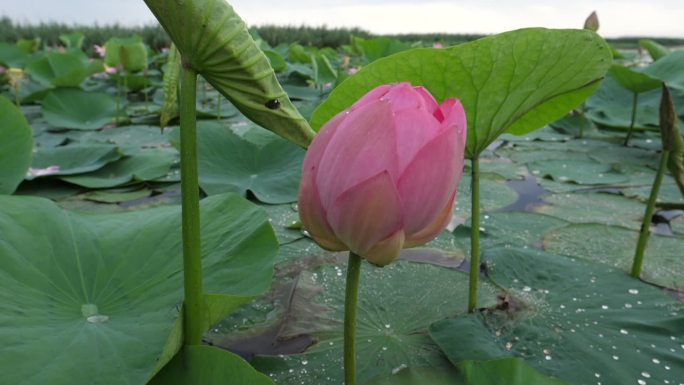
(322,36)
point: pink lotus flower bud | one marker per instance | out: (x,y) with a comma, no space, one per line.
(383,175)
(437,45)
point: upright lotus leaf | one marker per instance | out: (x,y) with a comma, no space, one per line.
(635,81)
(170,83)
(214,41)
(73,40)
(512,82)
(657,51)
(130,53)
(669,69)
(89,299)
(16,145)
(68,69)
(12,55)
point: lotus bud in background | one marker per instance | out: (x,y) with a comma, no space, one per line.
(671,137)
(383,175)
(592,22)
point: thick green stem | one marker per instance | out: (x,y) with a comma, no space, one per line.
(646,224)
(192,259)
(351,299)
(474,234)
(633,120)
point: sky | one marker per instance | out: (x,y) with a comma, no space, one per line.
(657,18)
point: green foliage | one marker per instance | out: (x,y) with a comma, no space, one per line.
(264,164)
(573,320)
(516,81)
(657,51)
(68,69)
(128,53)
(207,33)
(397,304)
(208,365)
(77,109)
(16,146)
(72,293)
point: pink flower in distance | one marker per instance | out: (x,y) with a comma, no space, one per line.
(383,175)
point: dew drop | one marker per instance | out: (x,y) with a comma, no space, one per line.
(623,331)
(305,362)
(547,358)
(527,288)
(646,374)
(604,307)
(655,361)
(616,358)
(641,382)
(633,291)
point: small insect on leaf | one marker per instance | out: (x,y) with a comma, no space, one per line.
(273,104)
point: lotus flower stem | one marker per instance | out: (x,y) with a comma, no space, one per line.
(474,234)
(351,299)
(192,261)
(635,101)
(646,224)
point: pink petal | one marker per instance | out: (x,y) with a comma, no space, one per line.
(386,250)
(313,216)
(414,128)
(363,146)
(404,96)
(367,213)
(430,180)
(372,95)
(429,100)
(433,229)
(454,116)
(311,212)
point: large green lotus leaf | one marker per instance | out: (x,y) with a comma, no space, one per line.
(509,229)
(16,146)
(669,69)
(207,365)
(494,194)
(504,371)
(613,245)
(608,209)
(396,305)
(656,50)
(228,162)
(635,81)
(95,298)
(74,158)
(611,105)
(130,139)
(583,172)
(214,41)
(516,81)
(77,109)
(143,166)
(67,69)
(12,55)
(575,320)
